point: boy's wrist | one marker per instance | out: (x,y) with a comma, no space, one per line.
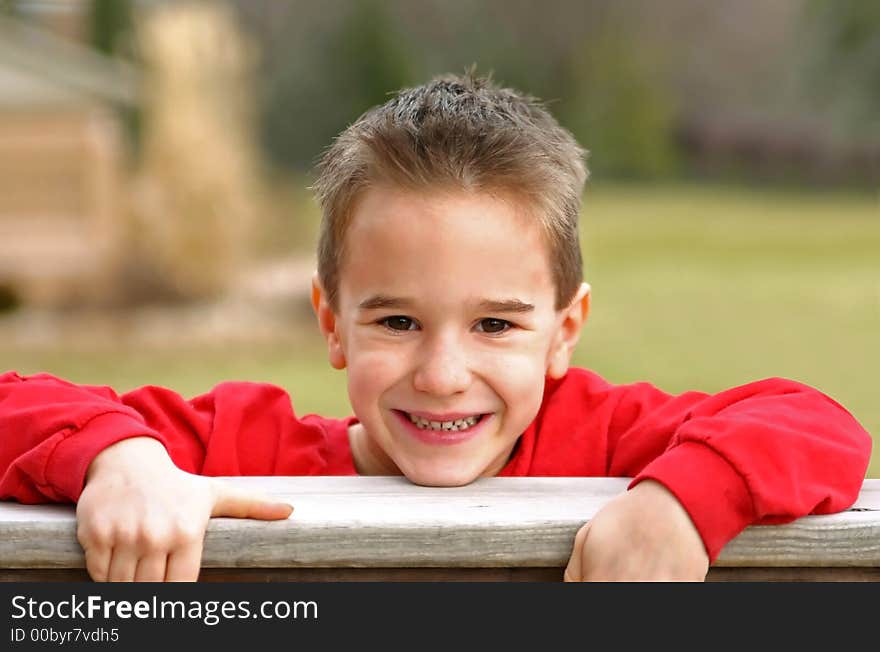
(713,493)
(134,450)
(65,468)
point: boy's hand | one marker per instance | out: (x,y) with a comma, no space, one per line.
(642,535)
(142,519)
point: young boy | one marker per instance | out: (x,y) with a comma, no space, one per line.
(450,287)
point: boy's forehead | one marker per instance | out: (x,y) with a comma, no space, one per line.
(389,202)
(402,244)
(401,218)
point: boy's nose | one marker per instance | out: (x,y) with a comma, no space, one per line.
(442,371)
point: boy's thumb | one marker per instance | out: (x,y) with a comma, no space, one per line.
(234,502)
(574,571)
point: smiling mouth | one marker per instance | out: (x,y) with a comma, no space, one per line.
(456,425)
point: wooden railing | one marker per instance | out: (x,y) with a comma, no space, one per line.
(384,528)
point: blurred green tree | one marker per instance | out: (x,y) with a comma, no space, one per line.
(621,109)
(110,26)
(111,32)
(845,63)
(10,7)
(362,58)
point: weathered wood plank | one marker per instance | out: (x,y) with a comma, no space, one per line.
(551,574)
(494,523)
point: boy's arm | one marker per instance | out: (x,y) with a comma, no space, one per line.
(51,430)
(765,452)
(143,511)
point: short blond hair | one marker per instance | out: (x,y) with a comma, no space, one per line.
(461,132)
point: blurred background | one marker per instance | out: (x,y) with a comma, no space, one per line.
(156,225)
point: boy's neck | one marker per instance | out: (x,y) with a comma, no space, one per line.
(368,458)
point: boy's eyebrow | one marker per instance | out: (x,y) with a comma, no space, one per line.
(508,305)
(382,301)
(379,301)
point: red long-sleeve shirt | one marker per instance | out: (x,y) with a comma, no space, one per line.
(766,452)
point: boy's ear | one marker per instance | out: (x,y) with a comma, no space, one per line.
(327,324)
(573,319)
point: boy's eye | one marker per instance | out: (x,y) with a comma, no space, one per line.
(491,325)
(398,323)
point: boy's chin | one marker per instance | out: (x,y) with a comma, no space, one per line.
(439,477)
(441,482)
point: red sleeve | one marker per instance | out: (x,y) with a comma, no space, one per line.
(766,452)
(51,429)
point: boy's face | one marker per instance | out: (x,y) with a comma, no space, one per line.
(447,326)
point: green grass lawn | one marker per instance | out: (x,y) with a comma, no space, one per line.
(693,288)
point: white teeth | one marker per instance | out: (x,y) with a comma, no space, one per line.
(449,426)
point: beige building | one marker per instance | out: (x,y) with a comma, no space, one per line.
(62,155)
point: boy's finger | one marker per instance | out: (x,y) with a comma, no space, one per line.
(123,562)
(184,563)
(574,570)
(97,563)
(151,568)
(238,503)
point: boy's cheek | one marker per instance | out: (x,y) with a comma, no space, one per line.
(516,375)
(370,375)
(525,367)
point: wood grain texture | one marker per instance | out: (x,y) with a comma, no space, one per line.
(524,574)
(494,523)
